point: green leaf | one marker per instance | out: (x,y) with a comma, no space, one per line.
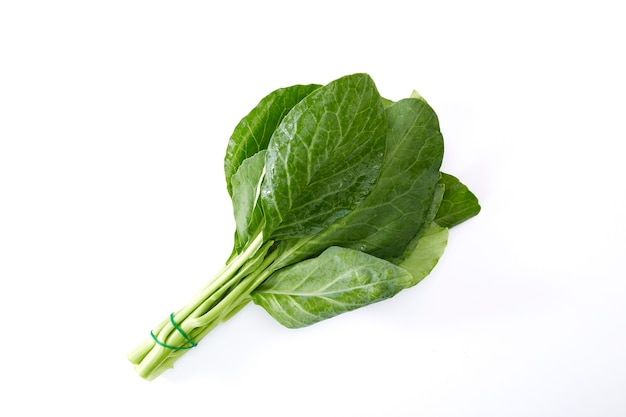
(337,281)
(246,184)
(428,223)
(324,158)
(404,200)
(253,132)
(426,253)
(458,204)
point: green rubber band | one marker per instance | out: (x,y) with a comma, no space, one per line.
(182,333)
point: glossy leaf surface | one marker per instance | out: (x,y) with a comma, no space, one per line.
(337,281)
(324,158)
(400,204)
(254,131)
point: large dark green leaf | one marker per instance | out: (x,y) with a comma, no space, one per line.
(324,158)
(403,201)
(337,281)
(458,204)
(253,132)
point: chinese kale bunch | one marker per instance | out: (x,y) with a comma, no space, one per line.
(338,203)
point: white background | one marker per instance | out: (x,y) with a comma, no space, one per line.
(114,118)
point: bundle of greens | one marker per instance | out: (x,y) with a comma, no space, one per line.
(339,202)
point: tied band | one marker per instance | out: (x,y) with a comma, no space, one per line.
(182,333)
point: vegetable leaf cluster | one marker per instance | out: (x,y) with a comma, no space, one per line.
(339,203)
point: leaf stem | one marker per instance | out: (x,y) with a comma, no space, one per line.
(227,293)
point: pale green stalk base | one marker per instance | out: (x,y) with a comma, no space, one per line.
(224,296)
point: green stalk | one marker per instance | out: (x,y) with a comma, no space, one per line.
(226,294)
